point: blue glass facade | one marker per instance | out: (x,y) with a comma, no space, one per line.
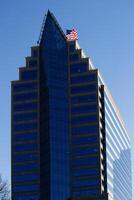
(25,133)
(54,75)
(68,138)
(118,151)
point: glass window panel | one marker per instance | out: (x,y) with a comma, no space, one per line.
(84,119)
(25,167)
(85,161)
(33,63)
(83,109)
(84,151)
(24,87)
(86,192)
(25,116)
(25,127)
(27,96)
(85,129)
(83,99)
(28,197)
(29,75)
(25,157)
(74,57)
(85,172)
(78,68)
(26,178)
(71,47)
(84,140)
(25,106)
(83,89)
(25,137)
(26,188)
(83,78)
(25,147)
(89,182)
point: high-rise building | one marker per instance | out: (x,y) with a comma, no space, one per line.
(68,138)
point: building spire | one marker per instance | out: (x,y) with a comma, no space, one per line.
(49,17)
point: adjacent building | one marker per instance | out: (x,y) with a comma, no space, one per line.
(68,138)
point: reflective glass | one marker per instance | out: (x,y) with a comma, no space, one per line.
(85,139)
(85,129)
(25,137)
(25,106)
(85,161)
(25,127)
(83,78)
(25,147)
(83,89)
(86,192)
(25,167)
(26,178)
(78,68)
(28,197)
(74,57)
(33,63)
(27,96)
(25,157)
(25,116)
(84,151)
(26,188)
(83,109)
(83,99)
(89,182)
(84,119)
(29,75)
(25,87)
(85,172)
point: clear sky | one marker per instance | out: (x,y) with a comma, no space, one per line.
(106,33)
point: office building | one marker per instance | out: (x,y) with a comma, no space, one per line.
(68,138)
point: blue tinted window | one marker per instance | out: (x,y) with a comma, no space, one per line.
(83,78)
(25,127)
(25,106)
(33,63)
(71,47)
(25,116)
(84,129)
(85,161)
(74,57)
(86,192)
(25,157)
(25,167)
(78,68)
(83,99)
(25,188)
(84,140)
(24,87)
(82,183)
(82,89)
(83,109)
(26,178)
(85,172)
(83,119)
(27,96)
(29,75)
(83,151)
(33,197)
(25,147)
(25,137)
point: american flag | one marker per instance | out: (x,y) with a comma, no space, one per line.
(72,35)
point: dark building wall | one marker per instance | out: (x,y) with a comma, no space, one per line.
(54,110)
(86,161)
(25,131)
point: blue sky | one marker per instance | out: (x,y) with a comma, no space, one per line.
(106,33)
